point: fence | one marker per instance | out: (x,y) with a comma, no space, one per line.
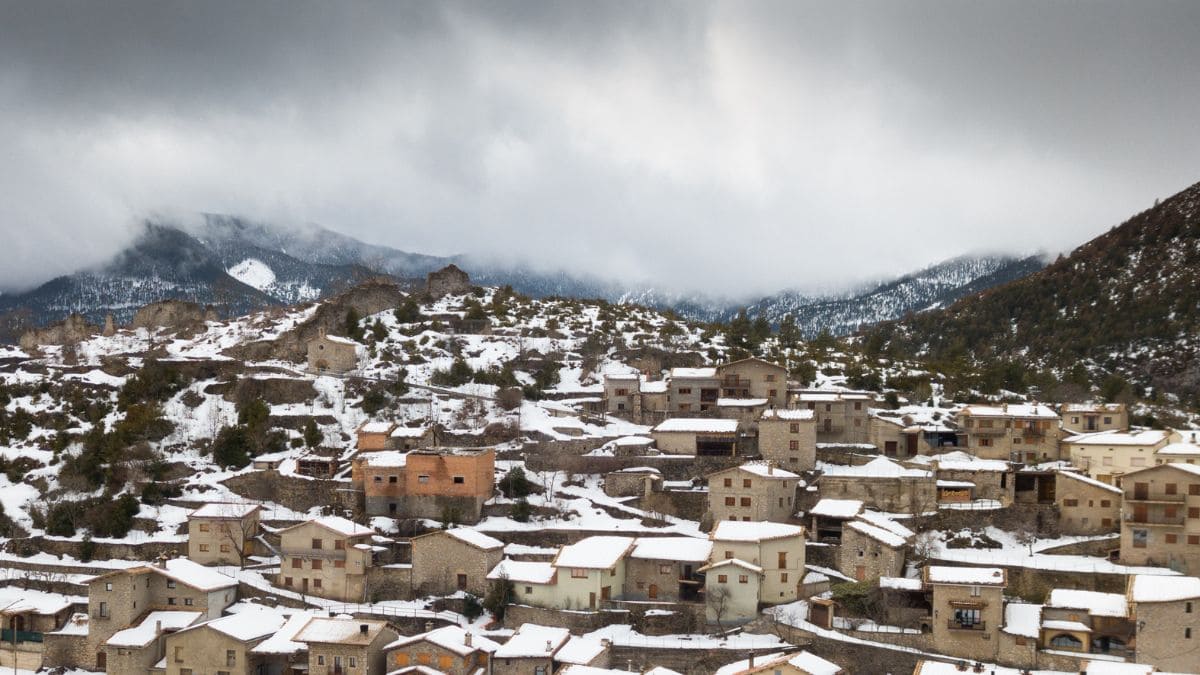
(398,612)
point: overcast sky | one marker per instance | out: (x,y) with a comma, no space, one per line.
(728,147)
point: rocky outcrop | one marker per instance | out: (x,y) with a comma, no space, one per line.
(450,280)
(71,330)
(370,297)
(172,314)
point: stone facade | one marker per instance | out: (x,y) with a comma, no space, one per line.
(1085,505)
(222,534)
(332,354)
(788,438)
(1172,635)
(346,646)
(203,649)
(632,482)
(968,610)
(882,485)
(693,391)
(866,558)
(447,561)
(450,280)
(1084,418)
(1018,433)
(754,378)
(449,650)
(328,557)
(1108,455)
(752,492)
(1160,517)
(841,416)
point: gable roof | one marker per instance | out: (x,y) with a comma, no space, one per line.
(335,524)
(180,570)
(735,562)
(697,425)
(524,571)
(737,530)
(467,536)
(245,626)
(1153,588)
(1089,480)
(533,640)
(340,631)
(877,533)
(601,552)
(230,510)
(149,628)
(763,469)
(966,576)
(682,549)
(450,638)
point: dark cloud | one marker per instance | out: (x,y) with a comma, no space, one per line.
(730,147)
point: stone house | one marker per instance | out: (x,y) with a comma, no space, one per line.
(788,438)
(374,436)
(137,649)
(591,571)
(666,569)
(341,646)
(622,395)
(458,559)
(1085,505)
(841,416)
(1169,609)
(704,437)
(450,280)
(124,599)
(1026,433)
(753,491)
(1087,622)
(328,557)
(1160,517)
(754,378)
(410,438)
(635,481)
(894,437)
(222,534)
(777,549)
(963,477)
(281,654)
(745,410)
(797,663)
(829,517)
(693,391)
(870,550)
(653,400)
(880,484)
(449,649)
(1107,455)
(222,645)
(967,609)
(1085,418)
(332,354)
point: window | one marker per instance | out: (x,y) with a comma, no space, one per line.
(353,662)
(1172,488)
(745,482)
(721,578)
(204,548)
(793,445)
(339,545)
(828,407)
(178,655)
(1194,489)
(1194,539)
(230,657)
(187,602)
(782,559)
(664,569)
(1187,633)
(975,591)
(1105,503)
(204,527)
(316,583)
(1106,522)
(1172,539)
(685,390)
(1137,461)
(393,479)
(1193,512)
(379,479)
(783,578)
(1187,608)
(578,573)
(170,601)
(794,427)
(460,480)
(745,501)
(339,564)
(170,583)
(728,482)
(743,579)
(287,581)
(297,564)
(1070,502)
(529,589)
(316,543)
(985,442)
(773,393)
(316,564)
(422,478)
(729,555)
(967,618)
(108,586)
(1139,538)
(730,501)
(1106,461)
(1108,420)
(224,548)
(320,659)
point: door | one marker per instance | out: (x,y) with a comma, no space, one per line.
(1139,513)
(304,583)
(860,573)
(1141,490)
(591,601)
(605,592)
(828,425)
(462,582)
(911,441)
(102,660)
(889,448)
(653,591)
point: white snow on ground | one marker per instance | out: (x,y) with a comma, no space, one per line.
(254,273)
(1015,554)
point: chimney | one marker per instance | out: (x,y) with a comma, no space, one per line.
(467,638)
(771,467)
(363,628)
(158,627)
(549,646)
(428,626)
(161,561)
(751,664)
(961,666)
(978,667)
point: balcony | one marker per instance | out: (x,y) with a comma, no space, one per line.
(986,431)
(955,625)
(1154,519)
(1147,498)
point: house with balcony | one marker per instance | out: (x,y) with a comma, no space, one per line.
(1087,622)
(841,415)
(1160,517)
(666,569)
(967,605)
(1023,433)
(754,378)
(328,557)
(693,391)
(1086,418)
(752,565)
(1107,455)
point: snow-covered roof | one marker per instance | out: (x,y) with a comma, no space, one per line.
(337,524)
(1024,410)
(704,425)
(955,484)
(593,552)
(451,638)
(1147,437)
(1096,603)
(19,600)
(731,530)
(973,576)
(880,467)
(763,469)
(384,459)
(791,415)
(693,372)
(145,632)
(580,650)
(376,427)
(1058,624)
(877,533)
(475,538)
(183,571)
(337,339)
(683,549)
(340,631)
(732,562)
(246,626)
(638,469)
(632,440)
(522,571)
(1179,449)
(837,508)
(1153,588)
(654,387)
(532,640)
(901,583)
(283,641)
(1092,407)
(961,461)
(224,510)
(741,402)
(1022,618)
(409,432)
(1084,478)
(1104,667)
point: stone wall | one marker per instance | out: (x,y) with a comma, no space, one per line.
(106,550)
(575,621)
(298,494)
(686,504)
(69,651)
(171,314)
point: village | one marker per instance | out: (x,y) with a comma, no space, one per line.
(713,515)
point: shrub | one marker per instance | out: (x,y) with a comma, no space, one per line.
(515,484)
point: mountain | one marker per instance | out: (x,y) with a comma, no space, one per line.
(932,287)
(1125,303)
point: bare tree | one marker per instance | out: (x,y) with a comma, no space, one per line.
(717,599)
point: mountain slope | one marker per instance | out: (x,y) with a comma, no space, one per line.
(1125,302)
